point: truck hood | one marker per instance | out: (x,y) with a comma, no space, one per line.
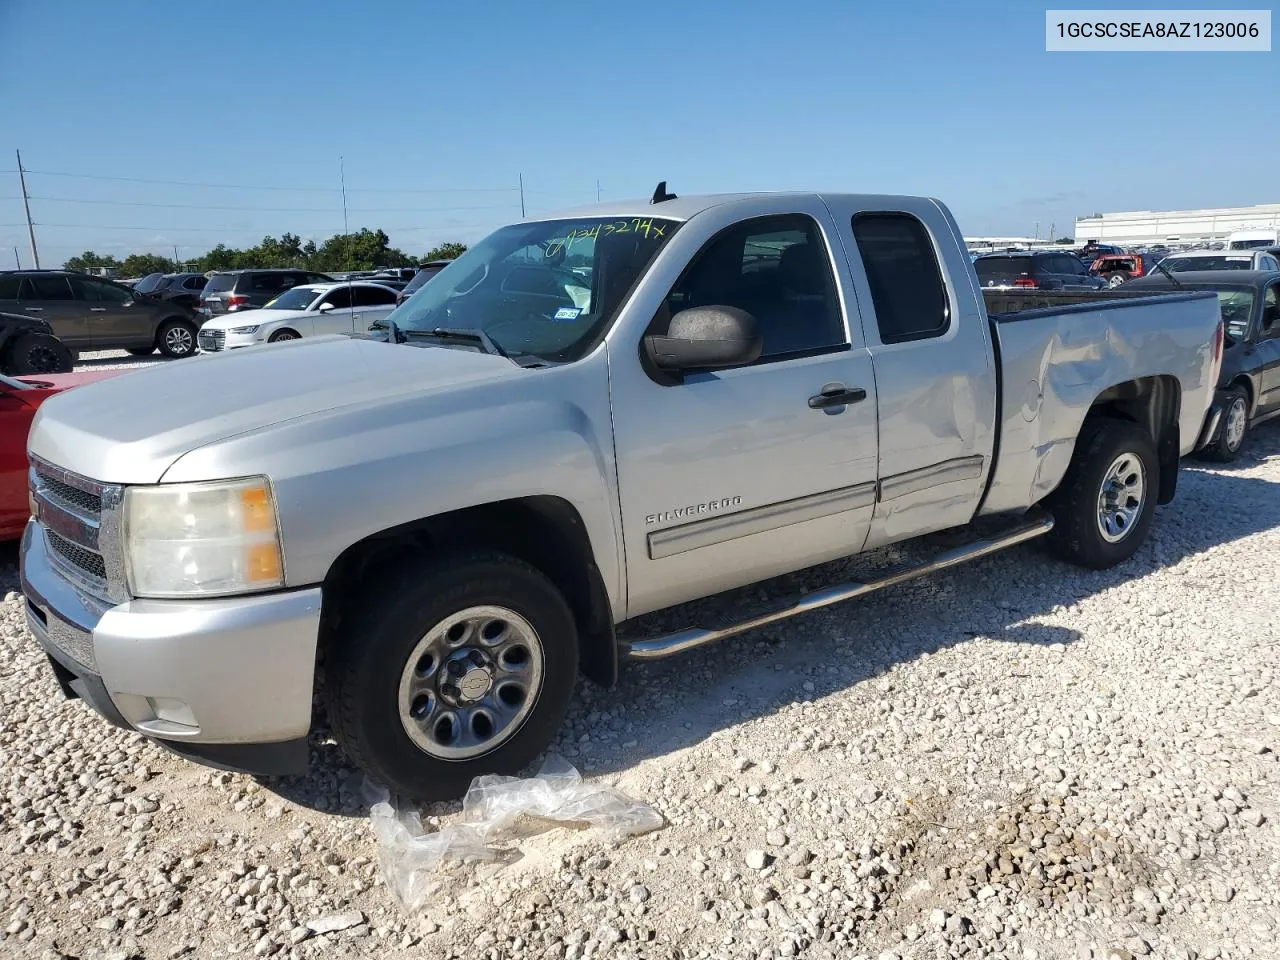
(132,429)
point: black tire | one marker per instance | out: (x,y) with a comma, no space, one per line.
(176,338)
(1226,446)
(1078,534)
(366,663)
(38,353)
(142,351)
(285,334)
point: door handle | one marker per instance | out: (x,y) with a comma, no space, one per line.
(836,395)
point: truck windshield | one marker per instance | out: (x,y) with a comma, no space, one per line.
(548,289)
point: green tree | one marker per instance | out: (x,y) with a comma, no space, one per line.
(1065,240)
(140,264)
(364,250)
(90,262)
(445,251)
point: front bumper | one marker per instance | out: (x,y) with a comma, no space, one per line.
(225,681)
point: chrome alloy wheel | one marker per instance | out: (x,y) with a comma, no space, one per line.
(178,340)
(471,682)
(1236,421)
(1121,499)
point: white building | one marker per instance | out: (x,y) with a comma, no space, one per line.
(1179,227)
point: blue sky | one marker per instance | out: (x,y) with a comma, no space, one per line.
(438,109)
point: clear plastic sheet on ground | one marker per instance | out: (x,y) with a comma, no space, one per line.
(496,812)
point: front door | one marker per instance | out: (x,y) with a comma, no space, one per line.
(1268,347)
(736,475)
(333,313)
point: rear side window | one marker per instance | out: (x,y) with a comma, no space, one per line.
(907,291)
(194,283)
(372,296)
(46,288)
(998,271)
(9,287)
(270,282)
(220,282)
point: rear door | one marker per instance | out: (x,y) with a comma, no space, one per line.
(370,304)
(49,297)
(114,319)
(930,345)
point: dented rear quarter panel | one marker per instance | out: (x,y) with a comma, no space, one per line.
(1057,361)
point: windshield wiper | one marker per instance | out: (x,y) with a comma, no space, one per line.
(459,333)
(1165,270)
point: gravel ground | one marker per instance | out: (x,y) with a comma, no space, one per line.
(1014,759)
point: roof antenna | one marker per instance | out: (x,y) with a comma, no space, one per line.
(661,194)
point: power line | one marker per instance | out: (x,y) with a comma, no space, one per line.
(247,186)
(209,206)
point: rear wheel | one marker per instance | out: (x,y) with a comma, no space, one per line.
(38,353)
(1115,279)
(1104,508)
(280,335)
(176,338)
(453,669)
(1227,445)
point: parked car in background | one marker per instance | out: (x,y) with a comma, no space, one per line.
(394,273)
(425,273)
(20,398)
(1220,260)
(1038,270)
(90,313)
(1249,384)
(27,345)
(183,288)
(455,521)
(230,291)
(1253,239)
(1091,251)
(1116,268)
(307,311)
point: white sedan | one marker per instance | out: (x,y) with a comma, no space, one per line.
(304,311)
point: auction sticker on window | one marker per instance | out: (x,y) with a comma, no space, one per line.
(1188,31)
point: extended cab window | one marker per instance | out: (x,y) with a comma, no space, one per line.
(907,291)
(776,269)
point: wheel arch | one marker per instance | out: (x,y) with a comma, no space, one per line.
(284,328)
(1153,403)
(546,532)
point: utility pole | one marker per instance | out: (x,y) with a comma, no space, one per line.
(176,262)
(26,203)
(521,196)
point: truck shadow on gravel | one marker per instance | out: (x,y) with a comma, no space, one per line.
(662,707)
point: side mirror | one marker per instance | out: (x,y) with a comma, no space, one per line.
(705,338)
(325,307)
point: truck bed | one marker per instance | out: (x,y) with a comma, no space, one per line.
(1060,351)
(1006,305)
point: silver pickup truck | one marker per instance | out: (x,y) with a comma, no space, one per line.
(584,418)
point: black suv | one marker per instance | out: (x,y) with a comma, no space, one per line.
(425,273)
(183,288)
(1041,270)
(230,291)
(90,313)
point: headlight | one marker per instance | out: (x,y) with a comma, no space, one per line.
(250,329)
(202,539)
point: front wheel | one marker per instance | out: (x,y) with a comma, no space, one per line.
(38,353)
(176,338)
(1105,506)
(1226,446)
(453,669)
(281,335)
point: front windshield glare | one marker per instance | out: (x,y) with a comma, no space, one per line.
(299,298)
(548,289)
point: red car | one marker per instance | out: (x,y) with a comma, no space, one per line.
(20,398)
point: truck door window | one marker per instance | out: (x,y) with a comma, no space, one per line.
(777,269)
(902,270)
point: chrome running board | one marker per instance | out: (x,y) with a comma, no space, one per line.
(671,644)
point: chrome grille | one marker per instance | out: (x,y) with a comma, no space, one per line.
(212,339)
(85,561)
(89,503)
